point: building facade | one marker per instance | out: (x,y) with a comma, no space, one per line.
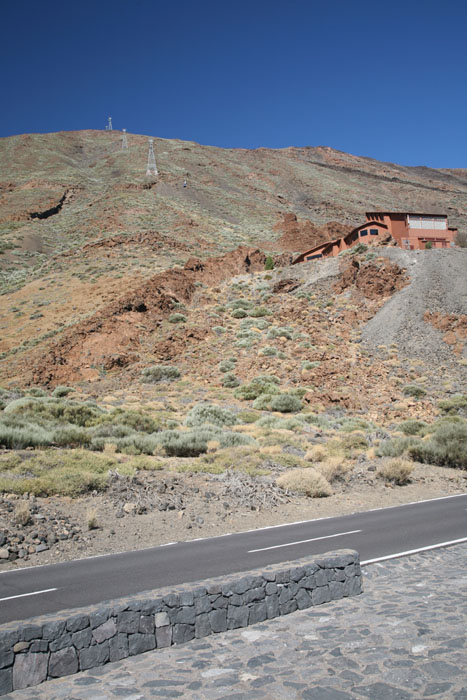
(414,231)
(409,231)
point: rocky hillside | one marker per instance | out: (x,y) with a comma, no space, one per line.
(75,199)
(85,235)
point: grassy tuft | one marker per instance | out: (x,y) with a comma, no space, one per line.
(92,520)
(22,513)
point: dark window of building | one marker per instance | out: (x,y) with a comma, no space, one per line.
(364,233)
(374,231)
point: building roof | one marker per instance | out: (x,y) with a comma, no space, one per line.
(433,212)
(325,244)
(365,225)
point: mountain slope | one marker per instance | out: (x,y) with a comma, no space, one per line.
(81,225)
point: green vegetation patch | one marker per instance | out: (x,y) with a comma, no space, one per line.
(414,390)
(158,373)
(44,421)
(56,472)
(412,426)
(456,405)
(264,384)
(177,318)
(447,447)
(211,414)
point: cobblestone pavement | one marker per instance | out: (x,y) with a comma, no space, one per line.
(404,638)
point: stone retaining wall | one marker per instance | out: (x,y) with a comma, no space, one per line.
(70,641)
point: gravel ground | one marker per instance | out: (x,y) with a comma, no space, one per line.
(438,283)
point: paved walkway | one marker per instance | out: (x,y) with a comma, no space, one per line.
(404,638)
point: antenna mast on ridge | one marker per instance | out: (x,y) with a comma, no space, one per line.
(124,140)
(152,168)
(109,124)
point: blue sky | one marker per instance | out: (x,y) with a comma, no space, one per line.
(381,79)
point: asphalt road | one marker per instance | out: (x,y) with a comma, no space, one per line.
(375,534)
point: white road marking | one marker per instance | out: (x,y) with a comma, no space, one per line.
(23,595)
(414,551)
(313,539)
(230,534)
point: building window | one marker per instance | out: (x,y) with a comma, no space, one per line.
(374,231)
(427,222)
(364,233)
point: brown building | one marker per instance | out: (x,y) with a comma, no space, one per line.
(409,231)
(414,231)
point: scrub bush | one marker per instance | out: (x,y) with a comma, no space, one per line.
(414,390)
(395,447)
(412,426)
(230,381)
(396,471)
(268,351)
(259,311)
(306,364)
(61,391)
(177,318)
(65,473)
(264,384)
(226,366)
(158,373)
(20,437)
(455,405)
(185,444)
(239,313)
(280,332)
(285,403)
(262,402)
(308,482)
(447,447)
(204,413)
(240,304)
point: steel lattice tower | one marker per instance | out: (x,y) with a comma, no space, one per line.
(109,124)
(124,140)
(152,167)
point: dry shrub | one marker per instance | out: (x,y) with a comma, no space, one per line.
(213,445)
(396,471)
(268,450)
(316,453)
(305,481)
(92,519)
(333,468)
(110,448)
(22,514)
